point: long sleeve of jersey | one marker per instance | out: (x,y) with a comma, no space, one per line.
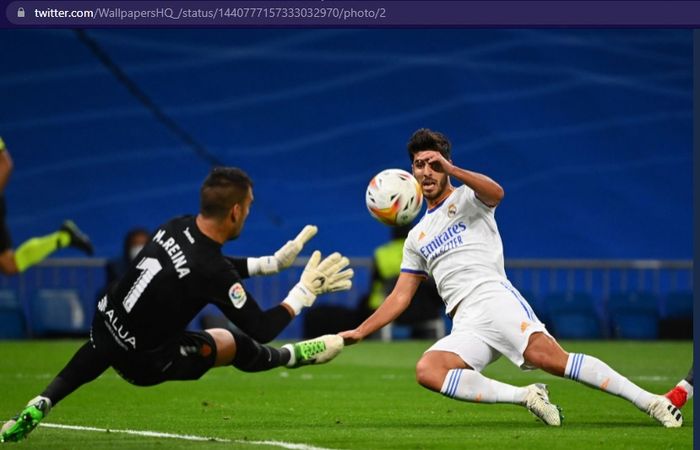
(224,287)
(263,326)
(241,265)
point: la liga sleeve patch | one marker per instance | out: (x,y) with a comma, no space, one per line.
(237,295)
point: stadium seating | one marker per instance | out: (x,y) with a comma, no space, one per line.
(677,316)
(573,316)
(538,303)
(634,315)
(678,305)
(327,319)
(12,323)
(58,311)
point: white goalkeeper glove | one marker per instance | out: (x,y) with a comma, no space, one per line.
(318,278)
(284,257)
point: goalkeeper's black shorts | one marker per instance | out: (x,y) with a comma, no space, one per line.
(186,358)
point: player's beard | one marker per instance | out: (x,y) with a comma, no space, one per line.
(437,191)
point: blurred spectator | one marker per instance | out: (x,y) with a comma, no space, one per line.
(425,310)
(34,250)
(134,240)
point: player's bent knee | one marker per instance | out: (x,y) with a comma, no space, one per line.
(432,368)
(430,376)
(225,346)
(545,353)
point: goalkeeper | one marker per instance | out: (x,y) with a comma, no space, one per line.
(139,326)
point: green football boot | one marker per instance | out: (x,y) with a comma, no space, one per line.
(314,351)
(20,426)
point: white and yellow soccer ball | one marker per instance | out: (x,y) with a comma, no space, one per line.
(394,197)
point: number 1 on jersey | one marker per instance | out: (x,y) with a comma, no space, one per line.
(149,268)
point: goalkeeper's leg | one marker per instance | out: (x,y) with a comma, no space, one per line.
(238,349)
(86,365)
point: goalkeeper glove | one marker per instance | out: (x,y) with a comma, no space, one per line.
(318,278)
(284,257)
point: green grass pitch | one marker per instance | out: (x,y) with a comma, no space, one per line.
(366,399)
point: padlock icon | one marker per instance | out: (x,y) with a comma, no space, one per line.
(20,12)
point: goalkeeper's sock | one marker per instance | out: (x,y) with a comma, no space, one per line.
(34,250)
(471,386)
(595,373)
(251,356)
(86,365)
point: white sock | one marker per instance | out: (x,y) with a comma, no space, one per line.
(595,373)
(687,387)
(471,386)
(292,355)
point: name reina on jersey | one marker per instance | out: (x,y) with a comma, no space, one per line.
(174,252)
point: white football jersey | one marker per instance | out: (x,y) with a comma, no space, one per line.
(457,242)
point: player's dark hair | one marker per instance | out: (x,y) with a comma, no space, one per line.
(425,139)
(223,188)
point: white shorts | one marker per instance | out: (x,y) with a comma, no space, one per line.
(499,321)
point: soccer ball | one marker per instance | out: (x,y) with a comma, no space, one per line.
(394,197)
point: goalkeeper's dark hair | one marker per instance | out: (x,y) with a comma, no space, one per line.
(425,139)
(223,188)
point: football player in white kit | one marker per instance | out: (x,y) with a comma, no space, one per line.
(458,243)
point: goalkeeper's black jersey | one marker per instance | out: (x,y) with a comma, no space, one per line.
(174,276)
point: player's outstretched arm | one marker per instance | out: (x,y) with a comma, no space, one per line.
(319,277)
(284,257)
(390,309)
(486,189)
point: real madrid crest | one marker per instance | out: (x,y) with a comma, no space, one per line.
(451,210)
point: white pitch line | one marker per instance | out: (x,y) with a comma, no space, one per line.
(185,437)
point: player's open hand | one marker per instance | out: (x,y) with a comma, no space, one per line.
(328,275)
(284,257)
(319,277)
(288,253)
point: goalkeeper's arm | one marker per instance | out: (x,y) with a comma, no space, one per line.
(263,326)
(282,258)
(318,277)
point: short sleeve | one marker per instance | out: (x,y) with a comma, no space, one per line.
(413,262)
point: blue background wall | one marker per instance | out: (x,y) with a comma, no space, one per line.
(589,131)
